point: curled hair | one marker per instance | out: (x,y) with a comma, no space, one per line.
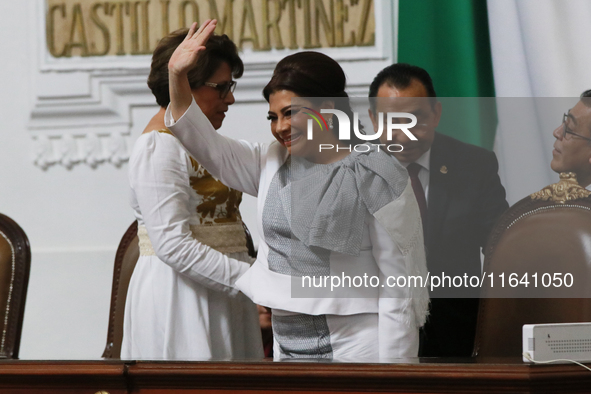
(218,49)
(312,74)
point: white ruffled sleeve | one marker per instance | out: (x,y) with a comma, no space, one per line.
(398,336)
(398,248)
(236,163)
(159,179)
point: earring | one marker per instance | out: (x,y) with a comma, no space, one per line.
(330,125)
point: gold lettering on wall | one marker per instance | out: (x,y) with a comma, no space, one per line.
(367,4)
(326,20)
(100,25)
(50,33)
(341,17)
(183,21)
(226,22)
(307,25)
(165,6)
(291,7)
(134,27)
(248,19)
(116,9)
(271,25)
(77,38)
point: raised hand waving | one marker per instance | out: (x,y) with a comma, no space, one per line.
(182,60)
(186,54)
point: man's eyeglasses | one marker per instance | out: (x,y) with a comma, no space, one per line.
(568,132)
(222,88)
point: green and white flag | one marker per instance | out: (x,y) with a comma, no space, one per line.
(450,40)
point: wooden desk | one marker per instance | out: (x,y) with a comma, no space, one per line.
(49,377)
(411,376)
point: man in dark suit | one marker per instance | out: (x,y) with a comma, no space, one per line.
(460,196)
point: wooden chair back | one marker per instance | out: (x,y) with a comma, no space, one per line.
(546,233)
(15,265)
(126,258)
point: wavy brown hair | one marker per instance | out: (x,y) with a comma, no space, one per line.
(218,49)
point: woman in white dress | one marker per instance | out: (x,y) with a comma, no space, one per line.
(180,305)
(320,213)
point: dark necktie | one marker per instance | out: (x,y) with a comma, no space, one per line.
(413,171)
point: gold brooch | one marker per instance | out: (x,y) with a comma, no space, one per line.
(443,169)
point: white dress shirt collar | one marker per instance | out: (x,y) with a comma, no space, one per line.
(424,160)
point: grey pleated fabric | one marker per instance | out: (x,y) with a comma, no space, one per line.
(329,203)
(313,209)
(287,255)
(302,336)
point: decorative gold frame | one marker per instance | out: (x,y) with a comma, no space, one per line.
(567,189)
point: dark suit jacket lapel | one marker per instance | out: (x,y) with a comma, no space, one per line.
(439,184)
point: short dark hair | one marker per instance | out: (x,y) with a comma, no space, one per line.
(401,75)
(586,100)
(218,49)
(585,95)
(312,74)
